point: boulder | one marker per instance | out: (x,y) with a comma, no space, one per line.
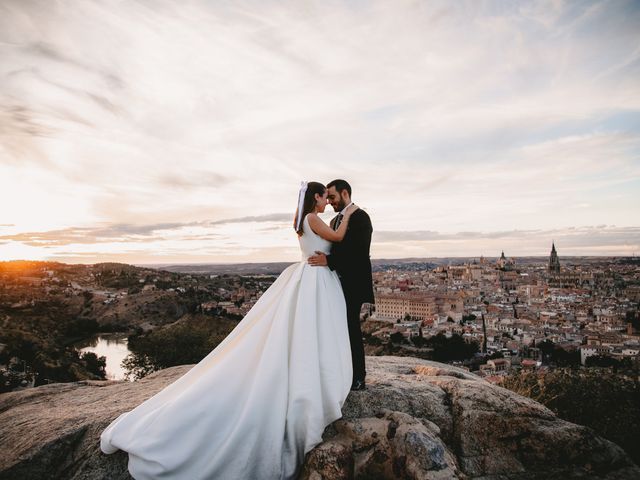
(416,420)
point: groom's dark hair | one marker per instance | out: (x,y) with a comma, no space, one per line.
(340,185)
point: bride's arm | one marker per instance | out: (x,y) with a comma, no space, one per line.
(325,231)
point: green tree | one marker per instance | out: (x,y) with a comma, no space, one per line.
(558,356)
(138,365)
(396,337)
(182,344)
(546,348)
(633,318)
(451,349)
(94,364)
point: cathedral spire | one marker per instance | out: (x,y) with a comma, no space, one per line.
(554,261)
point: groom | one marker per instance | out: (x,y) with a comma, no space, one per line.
(350,259)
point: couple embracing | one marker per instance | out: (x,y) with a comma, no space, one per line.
(257,403)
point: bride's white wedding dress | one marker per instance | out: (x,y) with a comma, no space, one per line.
(261,399)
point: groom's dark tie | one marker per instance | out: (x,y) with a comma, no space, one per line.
(336,224)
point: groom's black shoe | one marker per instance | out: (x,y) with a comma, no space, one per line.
(358,385)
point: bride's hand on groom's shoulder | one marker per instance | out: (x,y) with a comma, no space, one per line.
(352,208)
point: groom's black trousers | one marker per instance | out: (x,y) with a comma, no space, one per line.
(355,338)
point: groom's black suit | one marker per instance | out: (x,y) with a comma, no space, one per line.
(350,259)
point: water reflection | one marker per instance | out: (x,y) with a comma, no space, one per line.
(110,345)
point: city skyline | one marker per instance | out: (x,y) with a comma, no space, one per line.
(152,132)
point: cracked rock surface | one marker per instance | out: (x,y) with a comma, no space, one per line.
(416,420)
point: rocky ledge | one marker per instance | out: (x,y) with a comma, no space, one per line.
(416,420)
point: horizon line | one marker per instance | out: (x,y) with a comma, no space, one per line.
(289,261)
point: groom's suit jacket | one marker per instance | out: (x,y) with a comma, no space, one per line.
(350,259)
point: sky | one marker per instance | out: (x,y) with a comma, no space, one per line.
(178,132)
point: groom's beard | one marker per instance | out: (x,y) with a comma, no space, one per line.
(339,206)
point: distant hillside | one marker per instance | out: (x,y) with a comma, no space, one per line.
(225,269)
(46,307)
(275,268)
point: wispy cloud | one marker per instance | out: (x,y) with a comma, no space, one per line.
(127,233)
(68,236)
(274,217)
(574,236)
(585,240)
(191,180)
(207,241)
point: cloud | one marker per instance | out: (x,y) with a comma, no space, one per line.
(92,235)
(599,232)
(206,244)
(126,233)
(584,240)
(191,180)
(400,236)
(274,217)
(119,230)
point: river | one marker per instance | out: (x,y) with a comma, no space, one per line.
(110,345)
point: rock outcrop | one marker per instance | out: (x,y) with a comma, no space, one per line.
(416,420)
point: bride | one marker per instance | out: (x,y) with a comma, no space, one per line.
(257,403)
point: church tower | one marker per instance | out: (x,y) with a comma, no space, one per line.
(554,261)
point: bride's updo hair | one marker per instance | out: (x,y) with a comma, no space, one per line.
(309,203)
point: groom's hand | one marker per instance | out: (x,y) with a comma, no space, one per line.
(318,260)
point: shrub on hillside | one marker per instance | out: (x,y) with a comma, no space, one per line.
(454,348)
(181,344)
(598,398)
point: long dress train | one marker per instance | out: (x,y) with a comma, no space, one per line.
(261,399)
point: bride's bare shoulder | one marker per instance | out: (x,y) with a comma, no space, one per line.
(314,221)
